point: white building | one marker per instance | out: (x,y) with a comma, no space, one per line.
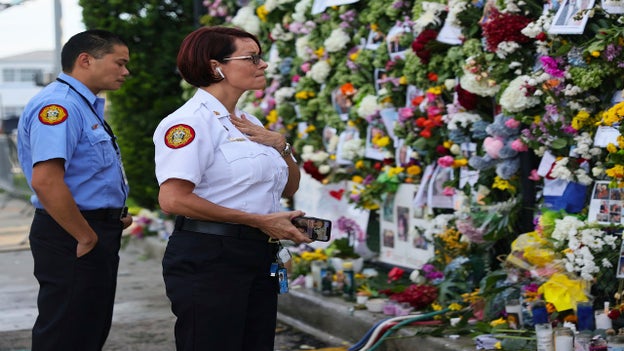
(22,77)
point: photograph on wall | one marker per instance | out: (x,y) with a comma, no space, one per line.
(571,17)
(437,197)
(402,243)
(373,150)
(330,136)
(389,116)
(402,221)
(380,78)
(388,207)
(346,136)
(605,206)
(393,40)
(403,153)
(374,39)
(620,267)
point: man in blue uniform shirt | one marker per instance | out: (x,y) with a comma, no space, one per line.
(72,163)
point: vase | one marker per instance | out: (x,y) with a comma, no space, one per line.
(612,6)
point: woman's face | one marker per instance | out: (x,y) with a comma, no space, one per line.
(244,74)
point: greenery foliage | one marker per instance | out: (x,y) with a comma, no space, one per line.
(153,30)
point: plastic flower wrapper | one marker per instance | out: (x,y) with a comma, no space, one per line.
(564,292)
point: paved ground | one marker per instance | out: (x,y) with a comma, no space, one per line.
(142,319)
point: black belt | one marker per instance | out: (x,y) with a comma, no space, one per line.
(103,214)
(239,231)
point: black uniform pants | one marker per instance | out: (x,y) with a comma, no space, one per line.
(221,292)
(76,295)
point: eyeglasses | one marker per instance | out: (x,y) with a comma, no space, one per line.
(255,58)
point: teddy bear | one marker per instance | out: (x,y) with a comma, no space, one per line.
(500,147)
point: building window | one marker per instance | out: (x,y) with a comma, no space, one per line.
(21,75)
(8,75)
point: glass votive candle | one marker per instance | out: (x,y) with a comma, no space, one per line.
(585,316)
(514,313)
(564,339)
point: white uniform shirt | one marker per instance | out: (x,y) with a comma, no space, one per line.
(198,143)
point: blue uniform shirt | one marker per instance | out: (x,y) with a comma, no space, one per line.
(59,123)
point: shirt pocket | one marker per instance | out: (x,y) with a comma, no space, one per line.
(248,163)
(102,152)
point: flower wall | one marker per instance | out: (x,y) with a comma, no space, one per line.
(517,105)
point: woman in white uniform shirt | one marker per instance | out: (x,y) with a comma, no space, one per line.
(223,175)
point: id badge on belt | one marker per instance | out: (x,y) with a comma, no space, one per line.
(277,268)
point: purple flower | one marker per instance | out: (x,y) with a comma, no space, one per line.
(551,66)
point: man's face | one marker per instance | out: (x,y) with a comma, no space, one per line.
(109,72)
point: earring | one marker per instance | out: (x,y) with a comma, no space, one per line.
(218,69)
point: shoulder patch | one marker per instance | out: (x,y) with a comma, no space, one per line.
(179,136)
(53,114)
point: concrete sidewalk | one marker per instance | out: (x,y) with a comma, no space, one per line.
(142,318)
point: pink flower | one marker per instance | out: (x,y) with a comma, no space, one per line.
(512,123)
(405,113)
(259,94)
(305,67)
(446,161)
(448,191)
(295,78)
(534,176)
(519,146)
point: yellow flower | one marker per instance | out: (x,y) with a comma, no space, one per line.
(354,55)
(374,27)
(455,307)
(414,170)
(262,13)
(272,116)
(403,80)
(359,164)
(498,345)
(537,119)
(436,306)
(620,141)
(332,157)
(310,128)
(435,90)
(580,119)
(498,322)
(382,141)
(319,52)
(447,144)
(503,184)
(462,162)
(395,170)
(611,148)
(357,179)
(304,95)
(616,171)
(595,53)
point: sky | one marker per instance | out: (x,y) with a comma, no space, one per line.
(30,26)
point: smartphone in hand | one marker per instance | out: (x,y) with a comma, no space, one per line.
(314,228)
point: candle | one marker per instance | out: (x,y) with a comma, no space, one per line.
(544,337)
(564,339)
(585,316)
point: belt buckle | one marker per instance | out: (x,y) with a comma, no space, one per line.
(273,240)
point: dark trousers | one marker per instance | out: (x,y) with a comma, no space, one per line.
(76,295)
(221,292)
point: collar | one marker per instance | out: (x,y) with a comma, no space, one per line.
(211,103)
(80,87)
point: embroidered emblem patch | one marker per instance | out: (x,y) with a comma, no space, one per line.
(53,115)
(179,136)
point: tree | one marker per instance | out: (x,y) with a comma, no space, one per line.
(153,30)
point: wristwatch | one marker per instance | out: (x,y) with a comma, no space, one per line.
(287,150)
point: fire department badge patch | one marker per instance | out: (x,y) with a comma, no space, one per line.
(53,115)
(179,136)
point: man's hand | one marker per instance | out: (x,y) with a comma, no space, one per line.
(85,246)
